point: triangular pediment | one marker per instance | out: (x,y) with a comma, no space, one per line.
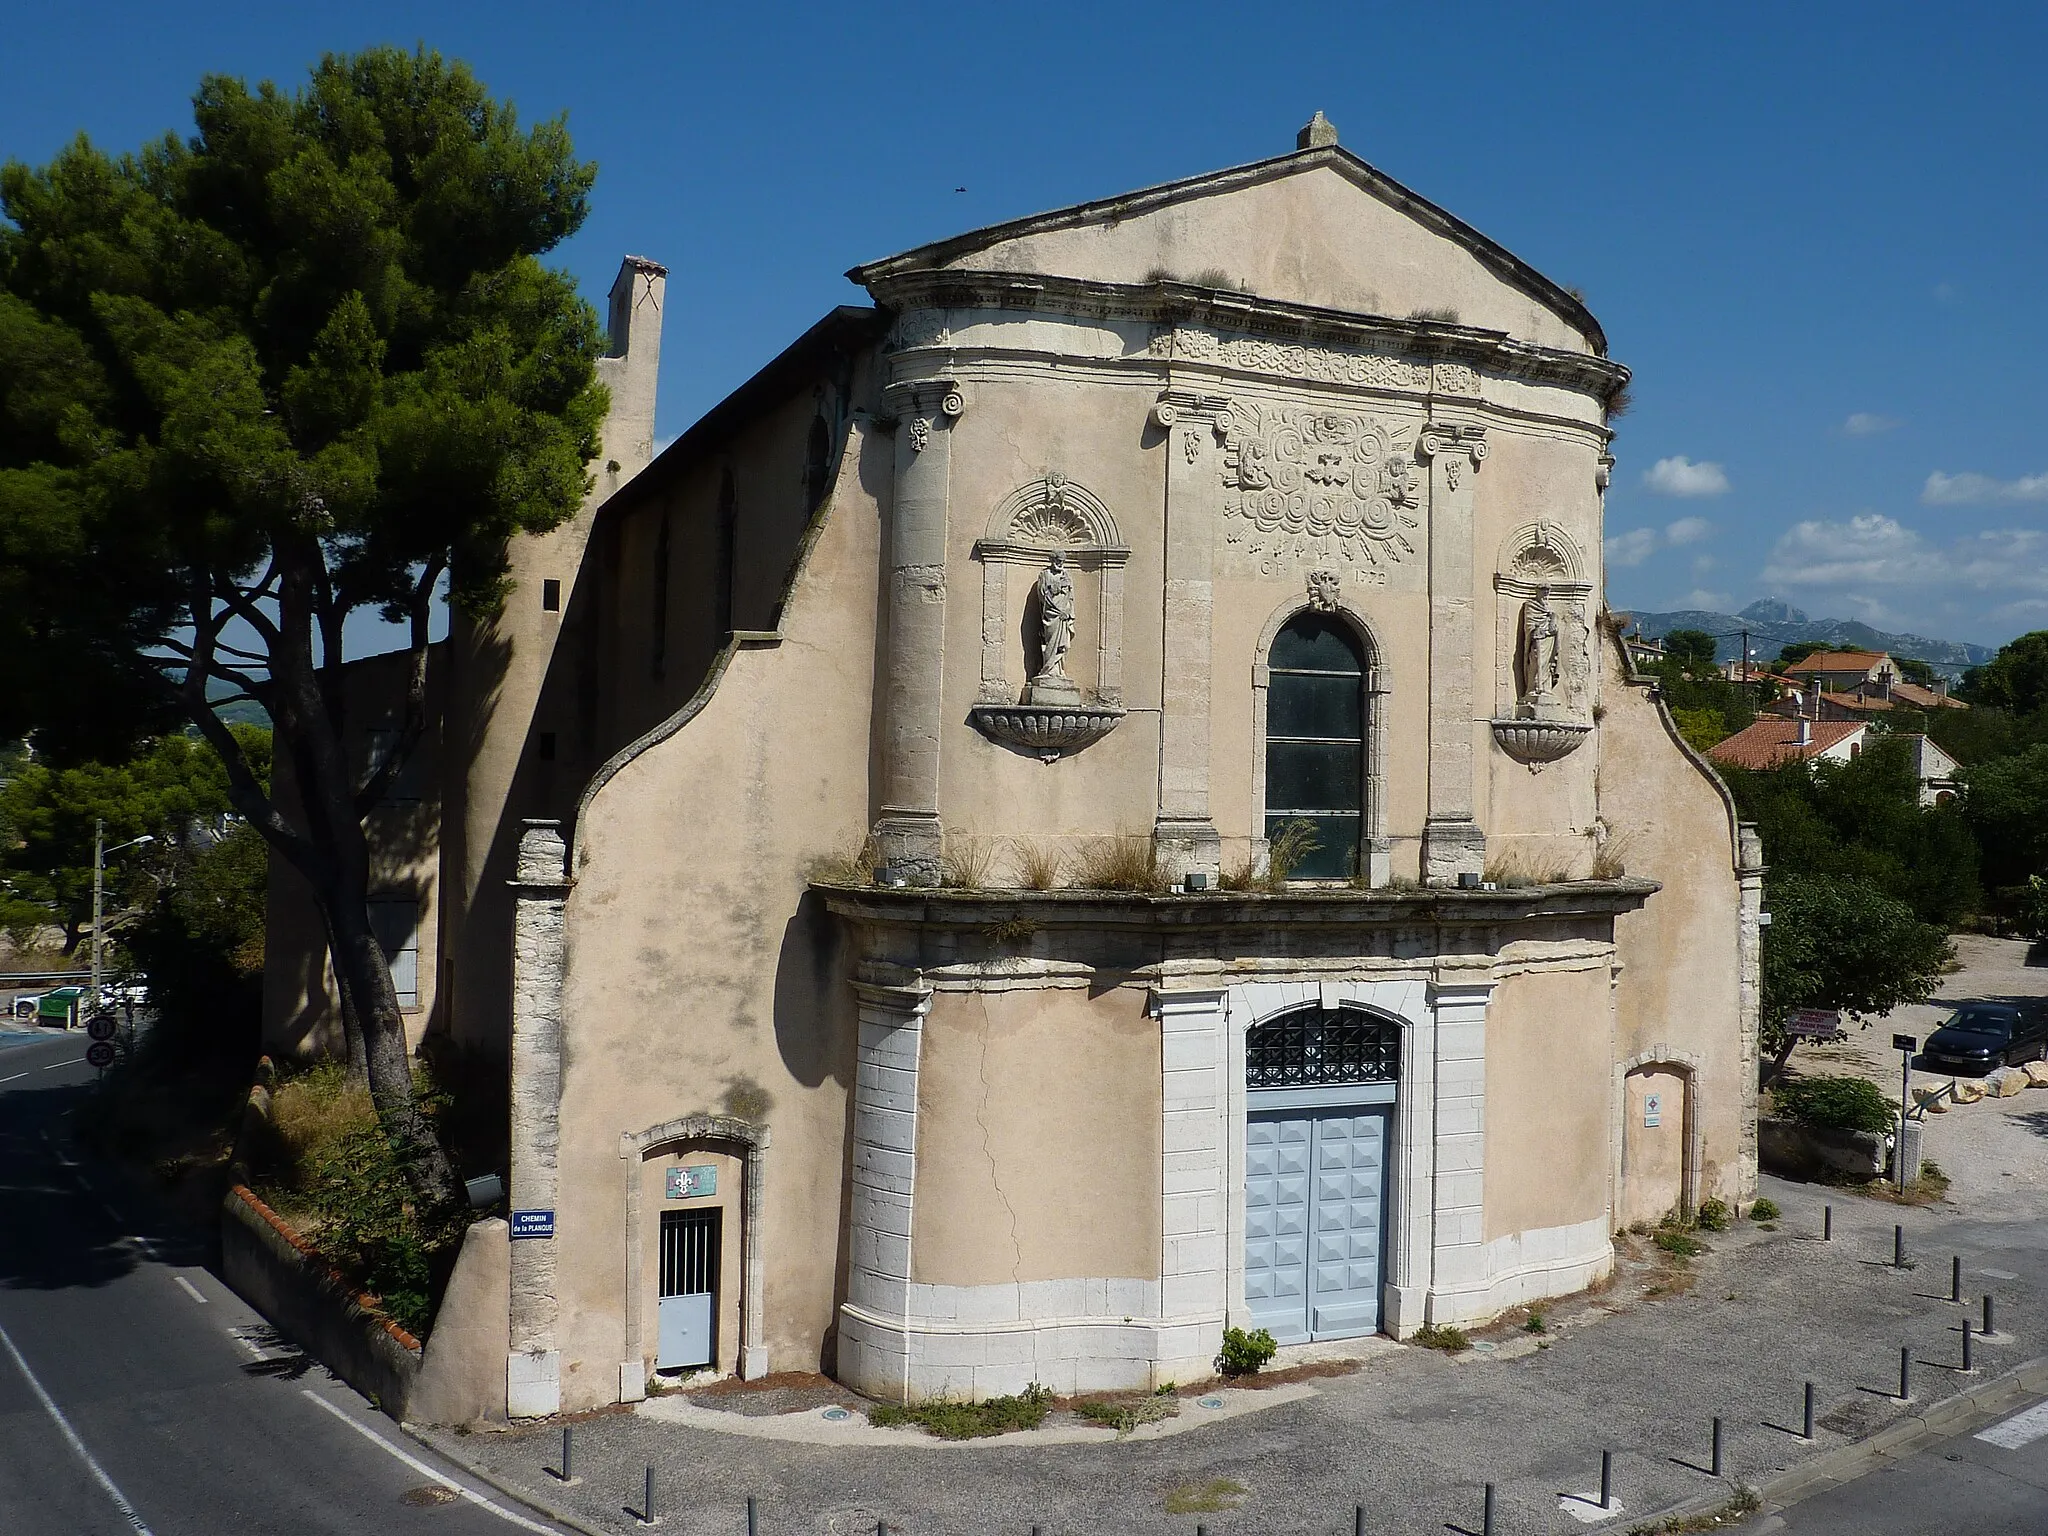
(1318,227)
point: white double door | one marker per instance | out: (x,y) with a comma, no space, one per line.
(1315,1210)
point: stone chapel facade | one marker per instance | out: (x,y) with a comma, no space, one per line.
(1091,801)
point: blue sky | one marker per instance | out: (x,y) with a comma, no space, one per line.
(1815,232)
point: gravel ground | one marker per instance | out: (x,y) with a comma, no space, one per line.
(1412,1435)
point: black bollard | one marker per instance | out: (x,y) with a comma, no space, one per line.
(1358,1520)
(1607,1479)
(1966,1344)
(754,1519)
(1827,1223)
(566,1471)
(1955,1278)
(1905,1373)
(1808,1435)
(1717,1448)
(1486,1518)
(1898,1247)
(1987,1330)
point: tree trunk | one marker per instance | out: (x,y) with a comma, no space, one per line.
(1776,1069)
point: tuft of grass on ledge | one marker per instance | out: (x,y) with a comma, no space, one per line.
(969,1421)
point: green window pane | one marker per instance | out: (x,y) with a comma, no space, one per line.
(1317,642)
(1314,706)
(1313,776)
(1335,856)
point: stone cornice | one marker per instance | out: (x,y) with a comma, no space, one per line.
(923,907)
(1173,304)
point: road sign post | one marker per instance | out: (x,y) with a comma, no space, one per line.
(1905,1045)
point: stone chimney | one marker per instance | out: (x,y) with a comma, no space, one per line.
(1805,737)
(1316,133)
(629,369)
(1884,683)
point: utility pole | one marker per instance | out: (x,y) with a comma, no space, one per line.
(100,850)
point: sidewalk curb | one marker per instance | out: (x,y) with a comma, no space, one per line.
(1897,1440)
(490,1479)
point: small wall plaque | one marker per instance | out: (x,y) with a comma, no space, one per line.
(533,1223)
(1653,1110)
(693,1183)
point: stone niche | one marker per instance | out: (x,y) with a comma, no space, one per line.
(1040,694)
(1545,672)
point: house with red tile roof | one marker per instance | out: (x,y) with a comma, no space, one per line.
(1771,742)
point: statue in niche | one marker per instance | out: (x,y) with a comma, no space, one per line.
(1542,669)
(1056,636)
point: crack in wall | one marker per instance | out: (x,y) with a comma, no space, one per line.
(988,1149)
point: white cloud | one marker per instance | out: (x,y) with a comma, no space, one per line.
(1679,476)
(1631,548)
(1700,597)
(1688,530)
(1867,424)
(1701,564)
(1969,489)
(1873,552)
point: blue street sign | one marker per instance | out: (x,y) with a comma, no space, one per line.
(533,1223)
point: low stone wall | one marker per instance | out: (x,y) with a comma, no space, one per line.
(278,1273)
(1795,1151)
(462,1378)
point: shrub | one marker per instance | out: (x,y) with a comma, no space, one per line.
(1288,847)
(1535,1324)
(971,1421)
(1680,1244)
(1765,1210)
(1451,1340)
(1834,1103)
(1127,1416)
(1245,1354)
(1037,865)
(1713,1216)
(1126,862)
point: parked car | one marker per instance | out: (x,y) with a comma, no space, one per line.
(1980,1036)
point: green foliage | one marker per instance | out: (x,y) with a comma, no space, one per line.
(1679,1244)
(1798,651)
(200,949)
(970,1421)
(1713,1215)
(2032,907)
(373,1231)
(2015,680)
(1914,670)
(1701,728)
(171,790)
(1449,1338)
(2006,803)
(1834,1103)
(1764,1210)
(1535,1324)
(1690,650)
(1245,1354)
(1838,943)
(1862,821)
(1210,1497)
(1125,1416)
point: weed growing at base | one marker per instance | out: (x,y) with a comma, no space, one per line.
(970,1421)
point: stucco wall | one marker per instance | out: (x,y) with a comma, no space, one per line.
(1312,236)
(1039,1130)
(1548,1056)
(1680,990)
(702,976)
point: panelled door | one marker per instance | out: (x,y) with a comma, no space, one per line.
(688,1298)
(1320,1086)
(1315,1215)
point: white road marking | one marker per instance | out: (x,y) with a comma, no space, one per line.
(77,1445)
(424,1470)
(190,1289)
(53,1066)
(11,1079)
(1998,1274)
(2021,1429)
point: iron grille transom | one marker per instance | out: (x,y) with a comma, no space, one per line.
(1314,1046)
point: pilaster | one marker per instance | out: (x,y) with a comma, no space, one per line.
(1452,842)
(1193,1263)
(908,832)
(1458,1280)
(874,1327)
(533,1384)
(1184,836)
(1749,876)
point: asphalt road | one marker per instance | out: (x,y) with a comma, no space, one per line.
(139,1395)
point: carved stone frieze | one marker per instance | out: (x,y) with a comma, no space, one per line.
(1049,731)
(1319,364)
(1323,486)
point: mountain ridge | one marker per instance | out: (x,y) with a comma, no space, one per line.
(1774,624)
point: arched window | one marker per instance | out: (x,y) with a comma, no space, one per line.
(1315,743)
(1311,1047)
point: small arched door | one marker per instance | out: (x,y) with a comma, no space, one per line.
(1319,1100)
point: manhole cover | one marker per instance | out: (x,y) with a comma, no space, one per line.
(428,1493)
(836,1414)
(1487,1345)
(1208,1402)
